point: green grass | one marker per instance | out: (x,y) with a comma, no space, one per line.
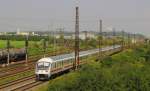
(16,44)
(35,47)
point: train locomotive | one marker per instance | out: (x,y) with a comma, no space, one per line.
(46,67)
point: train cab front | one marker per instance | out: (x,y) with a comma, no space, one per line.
(42,77)
(42,71)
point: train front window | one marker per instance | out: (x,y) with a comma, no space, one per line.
(43,65)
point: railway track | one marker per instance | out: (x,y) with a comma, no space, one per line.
(19,84)
(6,75)
(16,69)
(16,65)
(20,67)
(15,81)
(22,84)
(32,60)
(39,55)
(28,86)
(10,72)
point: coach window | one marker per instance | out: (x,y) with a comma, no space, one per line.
(71,60)
(58,64)
(61,63)
(54,65)
(64,62)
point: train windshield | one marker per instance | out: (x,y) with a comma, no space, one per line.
(43,65)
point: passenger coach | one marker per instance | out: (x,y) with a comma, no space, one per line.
(48,66)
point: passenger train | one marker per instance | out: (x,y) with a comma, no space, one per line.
(48,66)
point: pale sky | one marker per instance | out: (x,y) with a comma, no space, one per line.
(130,15)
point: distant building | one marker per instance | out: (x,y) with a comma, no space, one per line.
(33,34)
(68,37)
(26,33)
(21,33)
(133,40)
(1,33)
(85,34)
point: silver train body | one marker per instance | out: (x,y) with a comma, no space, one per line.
(48,66)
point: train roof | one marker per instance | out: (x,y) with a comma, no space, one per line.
(45,60)
(71,55)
